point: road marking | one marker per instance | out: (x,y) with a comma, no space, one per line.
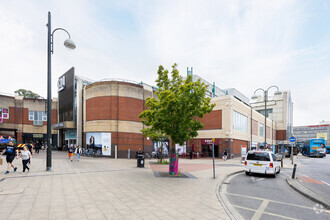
(325,182)
(260,210)
(283,203)
(268,213)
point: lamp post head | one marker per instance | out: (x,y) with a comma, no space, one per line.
(277,92)
(69,44)
(254,97)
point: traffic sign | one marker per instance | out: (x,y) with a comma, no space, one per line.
(292,139)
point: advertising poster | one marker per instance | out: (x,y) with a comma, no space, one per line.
(157,144)
(243,152)
(181,149)
(5,113)
(99,140)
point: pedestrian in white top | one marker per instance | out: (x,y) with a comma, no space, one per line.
(26,157)
(78,152)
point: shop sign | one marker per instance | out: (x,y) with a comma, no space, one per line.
(58,125)
(61,83)
(38,135)
(209,141)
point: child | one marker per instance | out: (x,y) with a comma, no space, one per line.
(26,157)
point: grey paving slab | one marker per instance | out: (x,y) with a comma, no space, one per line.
(104,188)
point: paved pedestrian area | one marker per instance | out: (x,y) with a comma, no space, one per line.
(104,188)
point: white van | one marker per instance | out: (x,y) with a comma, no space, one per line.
(263,162)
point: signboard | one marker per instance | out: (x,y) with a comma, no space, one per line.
(99,140)
(5,113)
(61,83)
(210,141)
(157,144)
(243,152)
(292,139)
(322,135)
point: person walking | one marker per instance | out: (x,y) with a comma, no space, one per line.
(70,152)
(78,151)
(26,158)
(37,147)
(225,155)
(11,151)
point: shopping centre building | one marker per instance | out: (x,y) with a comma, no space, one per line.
(105,115)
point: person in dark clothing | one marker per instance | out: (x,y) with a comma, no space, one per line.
(225,155)
(139,152)
(11,151)
(37,147)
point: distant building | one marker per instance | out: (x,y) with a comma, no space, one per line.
(303,133)
(280,110)
(25,119)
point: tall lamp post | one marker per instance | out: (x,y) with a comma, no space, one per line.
(71,45)
(265,91)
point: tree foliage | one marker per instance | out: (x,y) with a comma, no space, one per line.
(175,111)
(27,93)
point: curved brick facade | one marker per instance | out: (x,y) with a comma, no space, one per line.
(115,107)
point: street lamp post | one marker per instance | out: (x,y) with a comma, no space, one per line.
(71,45)
(265,91)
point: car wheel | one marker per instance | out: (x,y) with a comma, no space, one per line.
(279,170)
(247,173)
(274,175)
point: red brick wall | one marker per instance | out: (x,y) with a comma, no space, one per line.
(212,120)
(237,146)
(106,108)
(281,135)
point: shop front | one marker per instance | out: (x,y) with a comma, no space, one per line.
(207,147)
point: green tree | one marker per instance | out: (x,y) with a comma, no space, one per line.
(175,111)
(27,93)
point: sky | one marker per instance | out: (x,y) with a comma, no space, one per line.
(235,43)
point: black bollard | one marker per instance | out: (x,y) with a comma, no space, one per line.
(294,171)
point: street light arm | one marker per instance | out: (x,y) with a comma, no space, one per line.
(52,37)
(258,90)
(272,87)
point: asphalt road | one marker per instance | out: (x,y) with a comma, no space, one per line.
(314,173)
(263,197)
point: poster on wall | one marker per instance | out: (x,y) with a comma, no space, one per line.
(1,120)
(157,144)
(181,149)
(5,113)
(99,140)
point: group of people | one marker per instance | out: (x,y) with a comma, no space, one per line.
(77,150)
(11,152)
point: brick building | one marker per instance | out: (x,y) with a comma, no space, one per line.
(26,120)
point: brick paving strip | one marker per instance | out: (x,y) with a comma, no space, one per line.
(104,188)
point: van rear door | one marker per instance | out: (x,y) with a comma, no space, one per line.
(258,161)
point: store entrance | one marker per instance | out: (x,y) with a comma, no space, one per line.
(207,151)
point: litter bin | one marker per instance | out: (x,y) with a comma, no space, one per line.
(140,160)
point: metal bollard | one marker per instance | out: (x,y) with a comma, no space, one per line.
(282,162)
(294,171)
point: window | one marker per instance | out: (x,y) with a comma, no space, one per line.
(261,130)
(261,156)
(268,111)
(240,122)
(37,117)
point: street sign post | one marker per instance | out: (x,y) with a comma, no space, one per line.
(213,140)
(292,139)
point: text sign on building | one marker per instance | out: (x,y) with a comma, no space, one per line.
(61,83)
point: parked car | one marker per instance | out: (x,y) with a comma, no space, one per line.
(263,162)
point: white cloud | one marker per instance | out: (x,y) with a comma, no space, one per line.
(235,43)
